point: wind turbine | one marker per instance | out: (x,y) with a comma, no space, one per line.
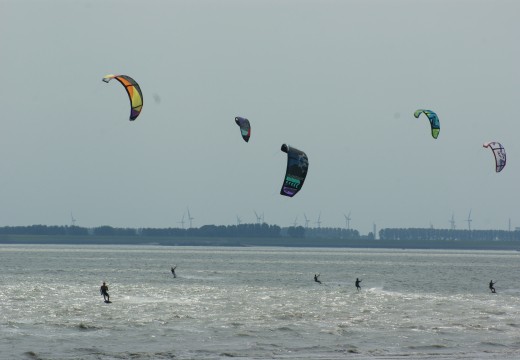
(452,222)
(239,220)
(258,218)
(182,221)
(72,220)
(319,220)
(295,223)
(189,217)
(347,220)
(306,221)
(469,220)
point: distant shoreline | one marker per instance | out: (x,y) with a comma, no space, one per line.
(252,241)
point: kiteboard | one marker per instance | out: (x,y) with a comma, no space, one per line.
(108,302)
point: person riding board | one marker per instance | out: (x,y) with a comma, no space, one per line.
(104,291)
(491,287)
(173,271)
(316,278)
(357,284)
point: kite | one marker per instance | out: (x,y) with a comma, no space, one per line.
(245,127)
(297,166)
(434,121)
(134,93)
(499,152)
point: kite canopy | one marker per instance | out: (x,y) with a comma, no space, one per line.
(499,152)
(245,127)
(434,120)
(297,166)
(134,93)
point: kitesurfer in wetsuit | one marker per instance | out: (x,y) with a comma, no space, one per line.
(173,271)
(316,278)
(104,291)
(491,283)
(357,284)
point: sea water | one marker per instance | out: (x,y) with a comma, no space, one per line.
(257,303)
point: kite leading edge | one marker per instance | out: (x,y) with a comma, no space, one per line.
(434,120)
(499,152)
(297,166)
(134,93)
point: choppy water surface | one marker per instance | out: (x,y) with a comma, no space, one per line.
(254,303)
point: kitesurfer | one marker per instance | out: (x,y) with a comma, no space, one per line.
(173,271)
(104,291)
(316,278)
(357,284)
(491,287)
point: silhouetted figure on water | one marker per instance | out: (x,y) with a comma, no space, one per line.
(173,271)
(316,278)
(491,286)
(357,284)
(104,291)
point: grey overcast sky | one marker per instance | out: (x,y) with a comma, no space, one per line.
(339,80)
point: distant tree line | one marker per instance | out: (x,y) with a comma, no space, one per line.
(43,230)
(269,231)
(332,233)
(242,230)
(448,235)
